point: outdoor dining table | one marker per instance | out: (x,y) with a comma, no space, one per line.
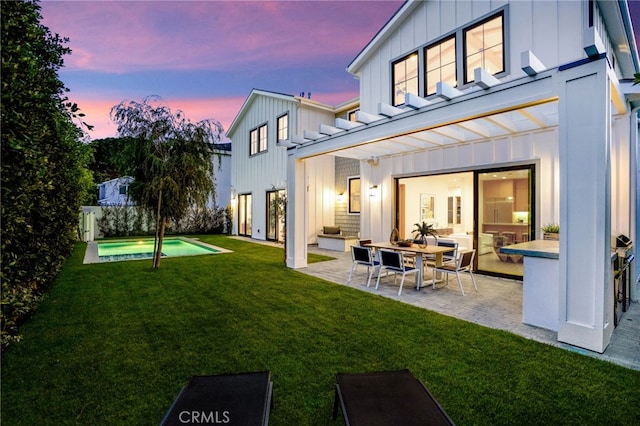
(419,251)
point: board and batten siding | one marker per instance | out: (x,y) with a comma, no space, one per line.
(259,173)
(552,30)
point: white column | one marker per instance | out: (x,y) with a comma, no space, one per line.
(586,293)
(296,212)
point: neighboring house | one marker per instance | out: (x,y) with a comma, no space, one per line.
(261,132)
(222,175)
(488,119)
(115,192)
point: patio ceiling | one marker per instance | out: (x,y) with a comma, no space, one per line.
(494,126)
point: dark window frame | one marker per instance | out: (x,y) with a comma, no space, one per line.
(468,79)
(440,41)
(355,199)
(282,129)
(256,145)
(404,58)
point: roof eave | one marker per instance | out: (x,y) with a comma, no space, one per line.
(382,35)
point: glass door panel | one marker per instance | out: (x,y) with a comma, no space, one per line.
(275,216)
(504,217)
(244,215)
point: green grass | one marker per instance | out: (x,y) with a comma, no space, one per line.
(114,344)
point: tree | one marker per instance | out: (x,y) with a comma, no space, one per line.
(170,159)
(108,161)
(43,163)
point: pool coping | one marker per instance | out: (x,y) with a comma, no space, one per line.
(91,254)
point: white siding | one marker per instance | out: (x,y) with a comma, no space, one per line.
(260,173)
(552,30)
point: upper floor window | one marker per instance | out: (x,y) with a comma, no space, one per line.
(352,115)
(440,64)
(484,47)
(262,135)
(405,78)
(258,140)
(283,127)
(123,189)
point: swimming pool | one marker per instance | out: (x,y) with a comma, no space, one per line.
(112,251)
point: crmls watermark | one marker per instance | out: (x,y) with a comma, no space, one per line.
(204,417)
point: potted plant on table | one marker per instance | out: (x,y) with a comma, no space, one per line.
(551,231)
(422,231)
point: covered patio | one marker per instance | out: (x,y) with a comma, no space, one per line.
(569,125)
(497,304)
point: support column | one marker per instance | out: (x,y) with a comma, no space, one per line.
(586,293)
(296,212)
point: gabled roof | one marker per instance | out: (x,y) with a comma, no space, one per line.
(381,36)
(256,93)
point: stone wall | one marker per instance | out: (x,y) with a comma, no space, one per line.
(344,168)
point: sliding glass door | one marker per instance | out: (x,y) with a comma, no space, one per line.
(484,209)
(504,216)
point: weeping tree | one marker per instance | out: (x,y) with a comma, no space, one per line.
(170,158)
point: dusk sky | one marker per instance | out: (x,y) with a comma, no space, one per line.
(205,57)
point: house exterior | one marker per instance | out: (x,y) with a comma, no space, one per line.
(490,119)
(115,192)
(265,126)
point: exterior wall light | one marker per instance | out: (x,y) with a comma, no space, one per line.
(341,197)
(373,190)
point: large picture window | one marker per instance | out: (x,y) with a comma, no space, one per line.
(354,194)
(440,65)
(405,78)
(484,47)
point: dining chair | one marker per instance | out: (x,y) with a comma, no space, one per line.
(464,263)
(393,261)
(363,256)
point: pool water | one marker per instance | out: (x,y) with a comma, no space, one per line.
(143,249)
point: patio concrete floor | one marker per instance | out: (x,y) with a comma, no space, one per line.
(497,304)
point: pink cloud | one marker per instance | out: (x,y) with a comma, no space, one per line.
(135,36)
(97,111)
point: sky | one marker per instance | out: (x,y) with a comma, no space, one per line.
(205,57)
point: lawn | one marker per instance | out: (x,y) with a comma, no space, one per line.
(114,344)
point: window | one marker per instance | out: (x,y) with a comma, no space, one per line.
(352,115)
(354,194)
(405,78)
(283,127)
(440,65)
(123,189)
(253,142)
(484,47)
(258,140)
(262,145)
